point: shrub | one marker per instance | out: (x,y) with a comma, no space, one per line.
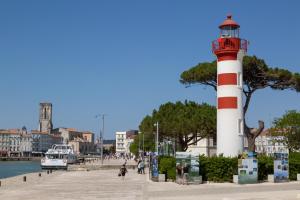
(218,168)
(265,167)
(294,165)
(222,169)
(167,165)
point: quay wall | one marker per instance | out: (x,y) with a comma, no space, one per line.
(20,158)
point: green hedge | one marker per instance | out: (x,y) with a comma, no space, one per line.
(167,165)
(265,167)
(218,169)
(294,165)
(222,169)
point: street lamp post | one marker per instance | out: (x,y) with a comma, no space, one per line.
(139,133)
(143,144)
(156,124)
(101,136)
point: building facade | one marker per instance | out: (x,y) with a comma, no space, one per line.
(82,147)
(68,134)
(19,142)
(267,144)
(15,142)
(88,136)
(123,141)
(120,142)
(42,141)
(206,146)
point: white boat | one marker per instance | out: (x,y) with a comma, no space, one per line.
(58,157)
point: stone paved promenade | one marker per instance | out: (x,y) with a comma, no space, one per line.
(105,184)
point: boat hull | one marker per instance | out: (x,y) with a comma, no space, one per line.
(54,163)
(54,167)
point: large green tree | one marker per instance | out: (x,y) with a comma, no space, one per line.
(256,75)
(145,139)
(289,127)
(187,122)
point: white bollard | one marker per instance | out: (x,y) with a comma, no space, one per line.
(298,177)
(198,180)
(271,178)
(161,178)
(236,179)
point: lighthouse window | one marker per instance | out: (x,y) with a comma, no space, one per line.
(229,31)
(239,79)
(240,126)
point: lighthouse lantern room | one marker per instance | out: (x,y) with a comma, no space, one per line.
(229,49)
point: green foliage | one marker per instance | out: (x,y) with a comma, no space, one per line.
(289,127)
(188,122)
(203,73)
(134,147)
(167,165)
(144,141)
(265,166)
(294,165)
(218,169)
(222,169)
(256,75)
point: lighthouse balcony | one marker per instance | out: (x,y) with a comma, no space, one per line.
(230,45)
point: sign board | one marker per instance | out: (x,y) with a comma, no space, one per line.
(247,168)
(187,168)
(281,167)
(154,166)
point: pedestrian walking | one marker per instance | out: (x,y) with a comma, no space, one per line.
(139,166)
(123,171)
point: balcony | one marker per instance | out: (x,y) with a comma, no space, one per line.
(223,45)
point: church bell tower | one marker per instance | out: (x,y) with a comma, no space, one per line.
(45,121)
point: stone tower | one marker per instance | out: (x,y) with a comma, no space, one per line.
(45,122)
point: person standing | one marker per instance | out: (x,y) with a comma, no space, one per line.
(142,167)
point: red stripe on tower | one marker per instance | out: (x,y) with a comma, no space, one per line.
(227,103)
(227,79)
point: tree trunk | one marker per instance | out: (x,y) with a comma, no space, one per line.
(253,133)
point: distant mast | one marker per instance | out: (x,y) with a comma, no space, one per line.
(230,50)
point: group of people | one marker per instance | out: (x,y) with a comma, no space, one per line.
(118,156)
(140,167)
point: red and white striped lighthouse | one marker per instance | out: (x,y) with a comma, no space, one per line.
(230,49)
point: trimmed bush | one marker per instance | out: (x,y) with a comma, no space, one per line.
(167,165)
(218,168)
(265,167)
(222,169)
(294,165)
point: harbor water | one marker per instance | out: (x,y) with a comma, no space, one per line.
(15,168)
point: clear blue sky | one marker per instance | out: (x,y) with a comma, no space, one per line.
(124,58)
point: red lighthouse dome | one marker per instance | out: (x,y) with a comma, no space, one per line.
(229,22)
(227,46)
